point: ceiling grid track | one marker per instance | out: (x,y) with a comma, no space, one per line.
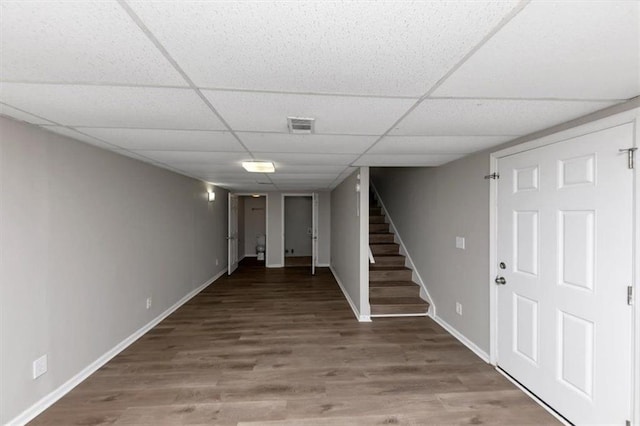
(116,149)
(503,22)
(132,14)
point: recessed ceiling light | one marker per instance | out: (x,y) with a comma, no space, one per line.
(259,166)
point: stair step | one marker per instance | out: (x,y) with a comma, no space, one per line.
(392,260)
(385,248)
(376,219)
(373,284)
(394,291)
(380,238)
(378,227)
(398,305)
(375,211)
(389,273)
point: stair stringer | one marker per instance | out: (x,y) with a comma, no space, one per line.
(415,275)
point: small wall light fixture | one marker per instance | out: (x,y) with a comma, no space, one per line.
(211,196)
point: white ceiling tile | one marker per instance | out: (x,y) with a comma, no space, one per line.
(435,144)
(268,112)
(108,106)
(230,178)
(246,187)
(200,168)
(196,157)
(285,142)
(490,117)
(64,41)
(167,140)
(408,160)
(8,111)
(386,48)
(295,177)
(308,159)
(292,168)
(80,137)
(559,49)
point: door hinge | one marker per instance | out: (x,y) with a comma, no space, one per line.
(493,175)
(631,156)
(630,295)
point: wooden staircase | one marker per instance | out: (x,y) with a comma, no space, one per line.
(391,289)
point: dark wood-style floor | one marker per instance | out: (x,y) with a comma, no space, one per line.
(277,346)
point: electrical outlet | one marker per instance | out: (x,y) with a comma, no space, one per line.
(458,308)
(40,366)
(149,302)
(460,242)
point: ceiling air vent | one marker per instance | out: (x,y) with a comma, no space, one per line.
(301,125)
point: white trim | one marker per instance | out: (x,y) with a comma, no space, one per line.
(363,205)
(403,251)
(361,318)
(275,265)
(323,265)
(630,116)
(461,337)
(535,398)
(398,315)
(53,396)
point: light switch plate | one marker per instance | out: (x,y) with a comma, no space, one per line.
(40,366)
(460,242)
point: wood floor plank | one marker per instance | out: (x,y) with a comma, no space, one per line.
(280,347)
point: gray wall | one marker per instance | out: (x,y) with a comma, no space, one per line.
(254,223)
(297,222)
(86,236)
(348,241)
(431,206)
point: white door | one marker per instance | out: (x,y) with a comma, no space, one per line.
(232,235)
(565,237)
(314,233)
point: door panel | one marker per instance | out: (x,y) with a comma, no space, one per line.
(565,234)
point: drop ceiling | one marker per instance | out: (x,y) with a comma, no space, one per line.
(199,87)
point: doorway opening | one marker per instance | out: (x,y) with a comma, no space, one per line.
(247,230)
(300,230)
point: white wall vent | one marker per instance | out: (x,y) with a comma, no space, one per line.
(301,125)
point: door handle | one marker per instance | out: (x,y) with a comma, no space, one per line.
(500,280)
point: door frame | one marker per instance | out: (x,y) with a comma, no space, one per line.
(294,194)
(266,217)
(630,116)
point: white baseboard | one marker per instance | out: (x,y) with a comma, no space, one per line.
(359,317)
(323,265)
(398,315)
(275,265)
(49,399)
(249,255)
(468,343)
